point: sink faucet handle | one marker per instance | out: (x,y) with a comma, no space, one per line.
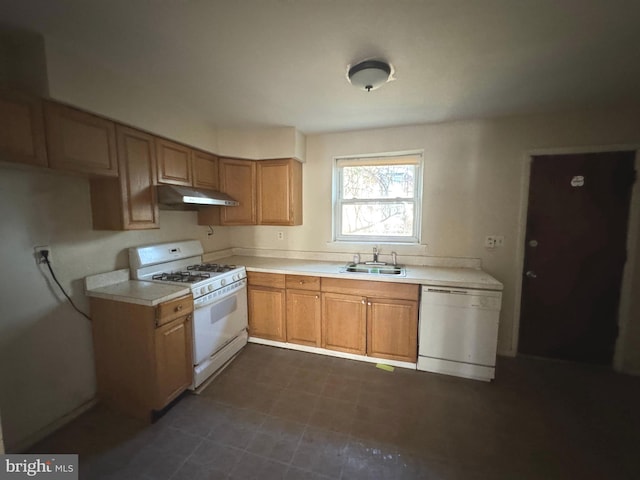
(394,258)
(375,254)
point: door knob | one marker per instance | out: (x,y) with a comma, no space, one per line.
(531,274)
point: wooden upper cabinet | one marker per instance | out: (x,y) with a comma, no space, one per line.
(205,170)
(279,185)
(22,137)
(80,142)
(129,202)
(174,163)
(238,179)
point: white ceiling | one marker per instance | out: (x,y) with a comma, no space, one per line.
(254,63)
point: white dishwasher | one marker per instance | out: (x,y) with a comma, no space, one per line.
(459,331)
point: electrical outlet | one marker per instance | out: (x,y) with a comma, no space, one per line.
(499,240)
(38,255)
(489,241)
(280,235)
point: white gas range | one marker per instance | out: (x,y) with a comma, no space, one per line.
(219,297)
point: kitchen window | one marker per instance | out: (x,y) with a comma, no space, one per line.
(377,199)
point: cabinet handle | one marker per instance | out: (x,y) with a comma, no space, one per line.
(301,282)
(369,303)
(363,302)
(178,308)
(317,297)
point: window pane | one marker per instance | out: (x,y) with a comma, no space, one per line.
(378,181)
(392,219)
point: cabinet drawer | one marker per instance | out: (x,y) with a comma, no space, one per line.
(273,280)
(173,309)
(303,282)
(375,289)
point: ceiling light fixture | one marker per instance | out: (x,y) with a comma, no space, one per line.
(369,75)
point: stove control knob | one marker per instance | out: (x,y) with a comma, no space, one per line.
(210,288)
(223,282)
(203,290)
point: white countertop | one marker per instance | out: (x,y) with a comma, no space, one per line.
(139,292)
(435,276)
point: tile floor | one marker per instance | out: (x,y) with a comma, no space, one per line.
(281,414)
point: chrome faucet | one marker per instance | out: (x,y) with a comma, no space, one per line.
(394,258)
(375,254)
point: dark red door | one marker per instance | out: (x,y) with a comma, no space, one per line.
(574,255)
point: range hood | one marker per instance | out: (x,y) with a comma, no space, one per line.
(187,198)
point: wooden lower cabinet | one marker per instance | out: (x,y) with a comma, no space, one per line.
(344,323)
(174,366)
(392,329)
(140,366)
(267,310)
(377,319)
(304,311)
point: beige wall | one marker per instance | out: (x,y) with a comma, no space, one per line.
(46,358)
(474,185)
(82,81)
(261,143)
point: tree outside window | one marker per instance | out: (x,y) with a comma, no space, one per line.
(378,198)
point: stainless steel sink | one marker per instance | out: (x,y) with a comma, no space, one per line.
(374,269)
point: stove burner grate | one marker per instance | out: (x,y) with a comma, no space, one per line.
(186,277)
(211,267)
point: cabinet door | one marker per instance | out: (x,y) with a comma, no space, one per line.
(344,323)
(267,309)
(80,142)
(174,163)
(238,179)
(128,203)
(279,185)
(392,329)
(174,360)
(22,129)
(205,170)
(304,311)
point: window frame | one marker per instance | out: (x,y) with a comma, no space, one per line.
(384,159)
